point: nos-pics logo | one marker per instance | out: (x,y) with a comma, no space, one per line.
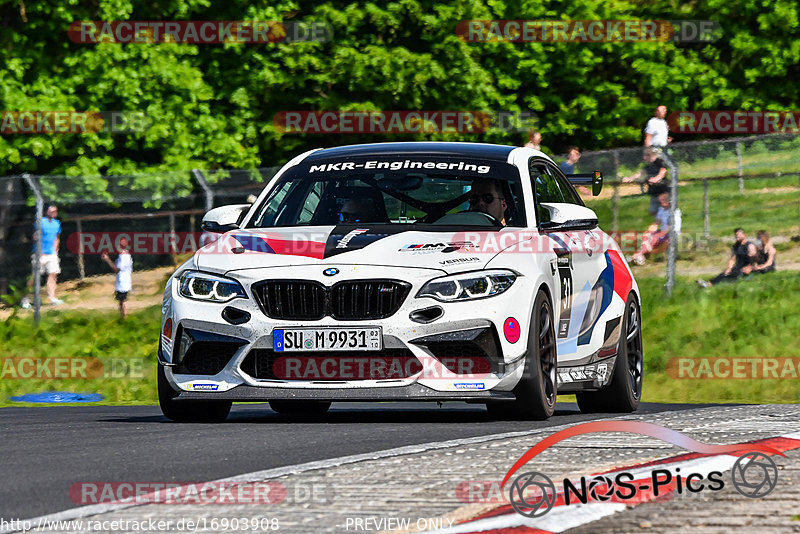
(533,494)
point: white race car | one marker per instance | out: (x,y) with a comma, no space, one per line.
(404,271)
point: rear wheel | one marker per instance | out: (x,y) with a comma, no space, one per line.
(188,411)
(300,407)
(625,390)
(536,392)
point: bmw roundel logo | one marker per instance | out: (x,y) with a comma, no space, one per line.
(331,272)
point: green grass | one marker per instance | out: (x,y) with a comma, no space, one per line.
(749,318)
(99,335)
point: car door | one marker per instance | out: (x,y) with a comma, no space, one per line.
(578,261)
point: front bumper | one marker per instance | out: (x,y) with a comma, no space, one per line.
(400,332)
(411,392)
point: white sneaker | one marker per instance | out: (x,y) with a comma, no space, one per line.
(638,259)
(26,303)
(56,302)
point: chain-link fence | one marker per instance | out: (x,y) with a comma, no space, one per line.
(162,209)
(750,182)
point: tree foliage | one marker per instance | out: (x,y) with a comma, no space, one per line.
(212,106)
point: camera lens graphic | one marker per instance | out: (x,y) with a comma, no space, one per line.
(754,475)
(532,494)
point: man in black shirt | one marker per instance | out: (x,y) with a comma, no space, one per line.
(654,173)
(743,258)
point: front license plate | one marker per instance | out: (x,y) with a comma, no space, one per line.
(319,339)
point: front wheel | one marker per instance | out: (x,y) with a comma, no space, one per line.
(625,390)
(188,411)
(537,389)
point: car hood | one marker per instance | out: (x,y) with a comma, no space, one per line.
(451,250)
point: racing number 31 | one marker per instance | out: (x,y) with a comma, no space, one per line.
(565,276)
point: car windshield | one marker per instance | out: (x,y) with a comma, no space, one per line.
(402,190)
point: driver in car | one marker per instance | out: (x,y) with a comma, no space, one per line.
(356,210)
(486,196)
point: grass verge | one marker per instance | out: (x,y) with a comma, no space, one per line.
(749,318)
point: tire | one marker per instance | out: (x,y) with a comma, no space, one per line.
(300,407)
(537,389)
(188,411)
(624,392)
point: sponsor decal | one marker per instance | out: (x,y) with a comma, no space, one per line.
(469,385)
(343,242)
(441,247)
(512,330)
(456,261)
(203,387)
(396,165)
(583,372)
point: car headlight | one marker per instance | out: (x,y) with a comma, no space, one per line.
(209,287)
(468,286)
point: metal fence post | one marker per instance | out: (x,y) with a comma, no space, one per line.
(615,196)
(672,251)
(209,193)
(173,238)
(739,165)
(706,212)
(81,267)
(37,254)
(798,188)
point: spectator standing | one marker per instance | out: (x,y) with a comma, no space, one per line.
(656,132)
(124,269)
(654,174)
(573,155)
(534,140)
(49,263)
(743,258)
(765,254)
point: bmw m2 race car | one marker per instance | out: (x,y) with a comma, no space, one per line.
(404,271)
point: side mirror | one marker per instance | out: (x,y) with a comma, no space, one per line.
(220,220)
(595,179)
(568,217)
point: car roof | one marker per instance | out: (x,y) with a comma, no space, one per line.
(429,148)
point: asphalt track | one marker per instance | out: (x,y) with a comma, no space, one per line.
(46,450)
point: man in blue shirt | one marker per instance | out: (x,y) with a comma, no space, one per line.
(573,155)
(48,261)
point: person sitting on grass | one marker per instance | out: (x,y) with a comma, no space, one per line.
(124,269)
(656,238)
(766,254)
(743,259)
